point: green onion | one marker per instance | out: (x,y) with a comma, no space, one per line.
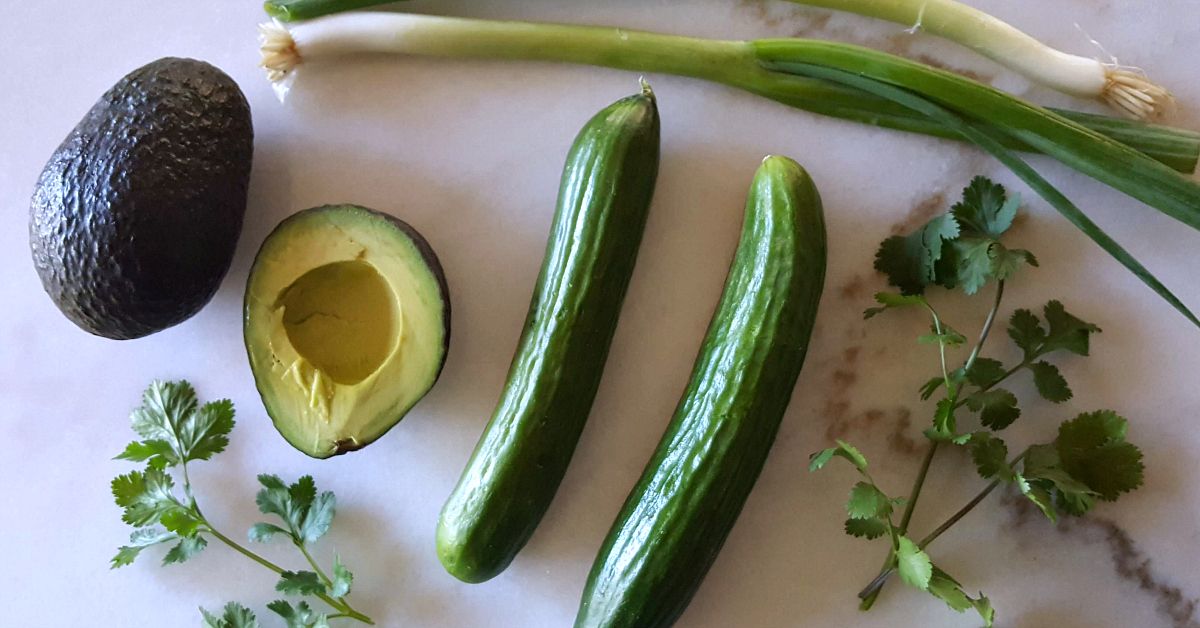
(807,74)
(1126,90)
(730,62)
(1084,150)
(987,139)
(1178,149)
(292,10)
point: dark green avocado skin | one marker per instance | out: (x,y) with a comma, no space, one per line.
(136,216)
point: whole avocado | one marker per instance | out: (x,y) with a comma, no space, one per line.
(136,216)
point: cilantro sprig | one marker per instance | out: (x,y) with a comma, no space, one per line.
(177,430)
(1089,459)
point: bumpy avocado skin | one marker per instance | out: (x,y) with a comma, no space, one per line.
(136,216)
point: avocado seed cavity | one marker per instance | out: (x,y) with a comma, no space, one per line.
(342,318)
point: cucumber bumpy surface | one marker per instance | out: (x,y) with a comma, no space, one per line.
(603,202)
(679,514)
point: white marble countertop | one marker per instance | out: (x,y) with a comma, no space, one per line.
(471,153)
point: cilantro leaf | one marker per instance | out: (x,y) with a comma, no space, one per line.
(146,497)
(236,616)
(1050,383)
(1026,330)
(1039,458)
(1090,430)
(888,300)
(276,499)
(990,455)
(1060,479)
(208,620)
(185,549)
(1093,450)
(985,210)
(307,514)
(1005,262)
(303,492)
(957,377)
(1038,495)
(1071,496)
(820,458)
(984,215)
(911,262)
(997,408)
(983,606)
(973,262)
(299,617)
(175,429)
(271,482)
(138,541)
(262,532)
(152,450)
(868,502)
(985,372)
(206,432)
(164,404)
(843,450)
(946,336)
(1077,504)
(1066,331)
(931,386)
(913,564)
(182,522)
(300,583)
(866,528)
(947,589)
(318,517)
(945,426)
(342,578)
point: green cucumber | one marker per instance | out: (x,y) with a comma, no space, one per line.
(521,458)
(683,507)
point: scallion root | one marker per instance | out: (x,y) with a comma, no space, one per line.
(278,49)
(1135,96)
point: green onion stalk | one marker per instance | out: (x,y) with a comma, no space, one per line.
(292,10)
(1124,89)
(830,78)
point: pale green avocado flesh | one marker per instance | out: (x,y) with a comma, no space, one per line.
(347,322)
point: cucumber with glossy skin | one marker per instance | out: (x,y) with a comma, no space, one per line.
(521,458)
(682,509)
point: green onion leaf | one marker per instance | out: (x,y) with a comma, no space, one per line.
(988,142)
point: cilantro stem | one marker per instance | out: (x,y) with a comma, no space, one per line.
(889,563)
(937,327)
(324,578)
(915,493)
(987,326)
(1009,373)
(187,488)
(871,591)
(343,608)
(869,594)
(962,512)
(954,401)
(245,552)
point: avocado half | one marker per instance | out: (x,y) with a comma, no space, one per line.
(347,325)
